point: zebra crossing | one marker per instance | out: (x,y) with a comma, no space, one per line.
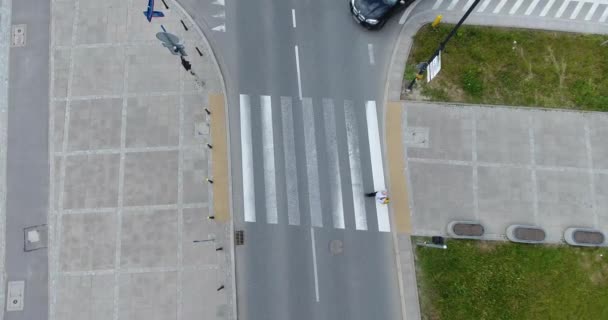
(587,10)
(318,156)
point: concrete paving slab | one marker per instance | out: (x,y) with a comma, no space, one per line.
(94,124)
(61,72)
(198,227)
(195,118)
(153,121)
(450,183)
(202,286)
(91,181)
(597,140)
(150,178)
(564,200)
(149,239)
(449,132)
(102,22)
(505,197)
(100,71)
(195,169)
(58,123)
(559,139)
(88,241)
(62,16)
(502,136)
(87,297)
(601,200)
(152,70)
(148,296)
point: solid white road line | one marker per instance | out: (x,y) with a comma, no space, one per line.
(531,7)
(370,52)
(312,167)
(314,262)
(452,5)
(515,6)
(577,9)
(437,4)
(377,166)
(562,8)
(547,8)
(591,11)
(247,160)
(291,174)
(333,164)
(354,159)
(484,5)
(293,17)
(499,6)
(604,15)
(468,5)
(269,172)
(298,70)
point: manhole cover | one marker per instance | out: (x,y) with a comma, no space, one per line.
(336,247)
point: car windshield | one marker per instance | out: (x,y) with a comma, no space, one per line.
(390,2)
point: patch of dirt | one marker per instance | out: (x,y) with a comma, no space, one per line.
(487,246)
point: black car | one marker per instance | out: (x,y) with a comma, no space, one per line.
(373,14)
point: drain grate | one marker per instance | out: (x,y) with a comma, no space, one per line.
(239,237)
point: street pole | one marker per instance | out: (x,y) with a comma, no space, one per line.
(442,45)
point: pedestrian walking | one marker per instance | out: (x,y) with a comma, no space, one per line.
(381,196)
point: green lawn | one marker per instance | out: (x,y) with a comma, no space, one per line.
(496,280)
(515,67)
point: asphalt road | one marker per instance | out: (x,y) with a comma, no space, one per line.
(286,270)
(27,156)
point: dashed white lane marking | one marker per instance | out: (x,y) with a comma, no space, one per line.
(516,6)
(562,8)
(247,161)
(293,202)
(437,4)
(370,53)
(333,164)
(298,70)
(547,8)
(314,262)
(377,166)
(591,11)
(577,9)
(312,168)
(468,5)
(531,7)
(354,159)
(604,15)
(499,6)
(452,4)
(269,173)
(293,17)
(484,5)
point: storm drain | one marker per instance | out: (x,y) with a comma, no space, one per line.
(239,237)
(336,247)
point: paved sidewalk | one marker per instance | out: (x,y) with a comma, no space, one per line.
(129,163)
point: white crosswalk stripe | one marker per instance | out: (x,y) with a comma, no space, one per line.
(515,7)
(483,6)
(452,4)
(591,11)
(547,7)
(577,9)
(468,5)
(293,200)
(337,207)
(604,15)
(499,6)
(269,167)
(531,7)
(562,8)
(318,132)
(437,4)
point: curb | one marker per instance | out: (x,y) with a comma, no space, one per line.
(229,156)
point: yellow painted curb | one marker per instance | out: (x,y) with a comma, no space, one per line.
(219,170)
(396,166)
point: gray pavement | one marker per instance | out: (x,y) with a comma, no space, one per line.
(128,165)
(27,166)
(504,166)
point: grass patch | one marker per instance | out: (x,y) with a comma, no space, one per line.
(515,67)
(498,280)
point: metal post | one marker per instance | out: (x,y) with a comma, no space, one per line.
(442,45)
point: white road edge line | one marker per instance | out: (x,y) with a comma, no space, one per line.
(269,173)
(247,159)
(298,70)
(370,52)
(377,166)
(314,262)
(293,17)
